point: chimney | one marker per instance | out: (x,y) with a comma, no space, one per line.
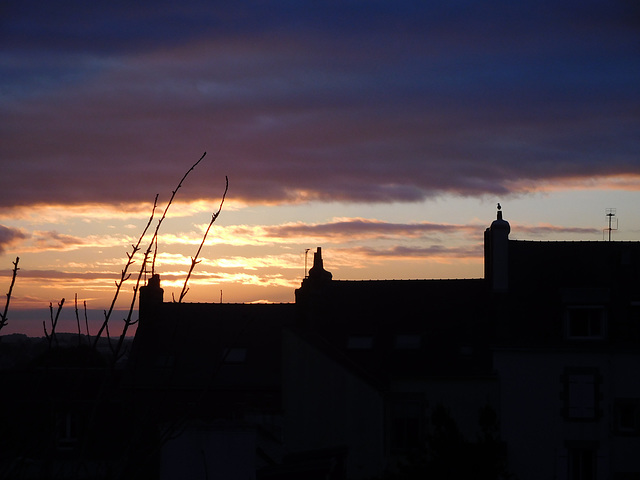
(312,296)
(496,253)
(317,271)
(151,297)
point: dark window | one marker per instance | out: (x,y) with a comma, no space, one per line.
(408,341)
(235,355)
(626,414)
(66,430)
(586,323)
(165,360)
(581,394)
(360,342)
(406,424)
(582,463)
(633,324)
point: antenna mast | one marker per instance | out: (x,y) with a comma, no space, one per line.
(613,221)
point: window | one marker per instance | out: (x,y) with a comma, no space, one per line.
(360,342)
(582,463)
(626,416)
(406,423)
(234,355)
(586,323)
(66,430)
(581,394)
(408,341)
(626,476)
(633,325)
(165,361)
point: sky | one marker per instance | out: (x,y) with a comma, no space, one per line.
(384,132)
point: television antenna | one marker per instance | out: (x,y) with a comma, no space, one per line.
(613,222)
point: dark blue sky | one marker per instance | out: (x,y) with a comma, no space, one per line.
(338,100)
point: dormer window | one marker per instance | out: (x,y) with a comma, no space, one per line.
(234,355)
(586,323)
(408,341)
(360,342)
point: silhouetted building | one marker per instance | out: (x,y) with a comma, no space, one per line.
(531,370)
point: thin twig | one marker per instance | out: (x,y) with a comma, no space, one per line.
(86,322)
(78,321)
(51,337)
(155,254)
(173,194)
(128,320)
(194,260)
(4,319)
(124,276)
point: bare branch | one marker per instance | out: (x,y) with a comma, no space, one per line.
(86,322)
(154,241)
(123,275)
(4,318)
(51,337)
(155,254)
(194,260)
(173,194)
(78,321)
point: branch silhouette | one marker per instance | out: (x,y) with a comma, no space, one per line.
(124,276)
(194,260)
(3,318)
(173,194)
(143,268)
(51,337)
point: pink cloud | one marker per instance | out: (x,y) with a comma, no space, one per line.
(10,237)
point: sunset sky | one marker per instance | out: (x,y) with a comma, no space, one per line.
(383,131)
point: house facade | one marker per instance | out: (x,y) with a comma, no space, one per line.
(530,371)
(549,340)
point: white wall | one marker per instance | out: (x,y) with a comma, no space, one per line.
(530,411)
(212,452)
(328,406)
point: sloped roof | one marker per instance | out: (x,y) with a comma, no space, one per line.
(395,329)
(196,345)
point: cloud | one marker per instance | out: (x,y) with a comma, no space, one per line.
(357,102)
(434,252)
(57,275)
(10,237)
(338,230)
(540,230)
(344,229)
(53,240)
